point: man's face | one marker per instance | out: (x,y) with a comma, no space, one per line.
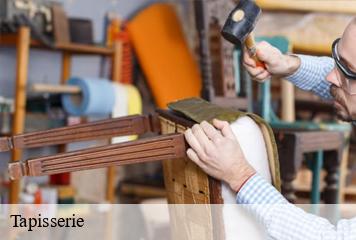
(344,99)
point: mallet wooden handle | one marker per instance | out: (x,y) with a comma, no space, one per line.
(163,147)
(251,47)
(124,126)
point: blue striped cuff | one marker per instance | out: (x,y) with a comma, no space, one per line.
(258,191)
(311,75)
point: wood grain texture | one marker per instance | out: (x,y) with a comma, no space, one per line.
(124,126)
(22,45)
(170,146)
(186,183)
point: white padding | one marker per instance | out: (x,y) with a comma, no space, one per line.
(238,223)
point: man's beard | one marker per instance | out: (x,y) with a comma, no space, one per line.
(339,103)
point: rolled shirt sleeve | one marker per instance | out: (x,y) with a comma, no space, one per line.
(311,75)
(286,221)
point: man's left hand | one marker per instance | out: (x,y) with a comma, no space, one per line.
(218,153)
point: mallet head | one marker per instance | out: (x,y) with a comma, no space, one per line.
(241,21)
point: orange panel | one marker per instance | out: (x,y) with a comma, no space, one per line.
(164,55)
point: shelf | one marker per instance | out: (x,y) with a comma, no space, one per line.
(74,48)
(340,6)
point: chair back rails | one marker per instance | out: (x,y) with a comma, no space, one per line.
(169,146)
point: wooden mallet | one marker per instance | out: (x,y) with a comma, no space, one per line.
(240,24)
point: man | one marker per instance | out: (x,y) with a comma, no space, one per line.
(217,152)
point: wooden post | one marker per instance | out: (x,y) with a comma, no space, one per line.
(22,56)
(288,108)
(66,67)
(116,77)
(288,99)
(116,62)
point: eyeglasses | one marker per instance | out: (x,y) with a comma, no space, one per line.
(349,75)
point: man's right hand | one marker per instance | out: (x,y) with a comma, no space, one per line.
(277,64)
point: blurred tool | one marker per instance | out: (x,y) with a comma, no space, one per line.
(240,24)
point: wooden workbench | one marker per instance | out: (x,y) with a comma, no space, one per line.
(310,33)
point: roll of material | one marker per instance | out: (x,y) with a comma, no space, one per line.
(120,108)
(97,97)
(134,104)
(134,100)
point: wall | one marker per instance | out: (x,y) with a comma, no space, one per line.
(45,66)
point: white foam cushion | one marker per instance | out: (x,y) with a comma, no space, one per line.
(237,222)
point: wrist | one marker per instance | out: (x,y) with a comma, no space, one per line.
(293,63)
(240,176)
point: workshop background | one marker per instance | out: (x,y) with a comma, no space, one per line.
(98,40)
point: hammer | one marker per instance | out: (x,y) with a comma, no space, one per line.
(239,26)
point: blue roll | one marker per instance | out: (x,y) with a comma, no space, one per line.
(97,97)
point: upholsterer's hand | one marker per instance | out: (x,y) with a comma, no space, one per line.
(218,153)
(277,64)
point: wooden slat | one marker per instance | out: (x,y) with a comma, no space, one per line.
(73,48)
(124,126)
(170,146)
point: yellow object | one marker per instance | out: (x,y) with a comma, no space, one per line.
(65,192)
(167,62)
(134,100)
(134,103)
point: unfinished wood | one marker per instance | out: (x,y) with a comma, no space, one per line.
(22,46)
(287,98)
(185,182)
(73,48)
(339,6)
(48,88)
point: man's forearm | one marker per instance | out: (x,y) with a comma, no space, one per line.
(286,221)
(311,75)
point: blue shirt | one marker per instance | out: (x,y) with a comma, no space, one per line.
(282,219)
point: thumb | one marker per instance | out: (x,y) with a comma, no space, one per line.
(262,55)
(265,51)
(225,128)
